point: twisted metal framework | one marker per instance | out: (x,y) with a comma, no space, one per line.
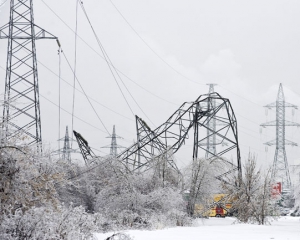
(21,112)
(280,171)
(113,146)
(171,135)
(87,153)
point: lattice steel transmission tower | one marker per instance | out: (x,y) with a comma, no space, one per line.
(113,146)
(211,128)
(21,112)
(66,150)
(280,172)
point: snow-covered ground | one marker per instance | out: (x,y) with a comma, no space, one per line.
(285,228)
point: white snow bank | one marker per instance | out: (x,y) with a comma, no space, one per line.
(286,228)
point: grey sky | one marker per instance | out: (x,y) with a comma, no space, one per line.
(246,47)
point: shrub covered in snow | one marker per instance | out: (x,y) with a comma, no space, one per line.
(40,197)
(141,201)
(47,223)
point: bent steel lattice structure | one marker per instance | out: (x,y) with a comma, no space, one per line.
(163,142)
(171,135)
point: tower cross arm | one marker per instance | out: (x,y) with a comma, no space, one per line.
(288,142)
(289,123)
(40,33)
(117,146)
(272,123)
(270,143)
(286,104)
(286,123)
(43,34)
(116,136)
(271,105)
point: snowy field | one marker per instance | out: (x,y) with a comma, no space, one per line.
(286,228)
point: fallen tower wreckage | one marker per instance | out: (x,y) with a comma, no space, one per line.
(166,140)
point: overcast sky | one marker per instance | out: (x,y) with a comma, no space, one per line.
(246,47)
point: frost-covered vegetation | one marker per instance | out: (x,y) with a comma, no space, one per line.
(42,197)
(297,200)
(253,201)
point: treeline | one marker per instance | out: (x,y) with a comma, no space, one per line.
(44,198)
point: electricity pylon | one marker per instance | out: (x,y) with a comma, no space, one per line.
(280,171)
(21,112)
(113,146)
(66,150)
(211,128)
(153,144)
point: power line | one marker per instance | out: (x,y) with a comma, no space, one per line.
(132,120)
(148,46)
(75,67)
(152,50)
(139,36)
(85,93)
(102,56)
(3,3)
(110,64)
(127,140)
(106,58)
(68,111)
(59,84)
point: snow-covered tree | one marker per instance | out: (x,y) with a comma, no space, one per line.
(252,195)
(30,206)
(26,180)
(200,182)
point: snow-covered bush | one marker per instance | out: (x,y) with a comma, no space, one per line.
(26,180)
(47,223)
(40,197)
(30,207)
(141,201)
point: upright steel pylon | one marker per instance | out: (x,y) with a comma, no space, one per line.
(66,150)
(211,128)
(113,146)
(21,112)
(280,172)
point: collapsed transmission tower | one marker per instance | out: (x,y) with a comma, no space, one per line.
(21,112)
(171,135)
(280,171)
(113,146)
(87,153)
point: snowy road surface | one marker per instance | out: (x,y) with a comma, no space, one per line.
(286,228)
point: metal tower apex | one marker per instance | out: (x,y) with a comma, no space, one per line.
(113,146)
(280,94)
